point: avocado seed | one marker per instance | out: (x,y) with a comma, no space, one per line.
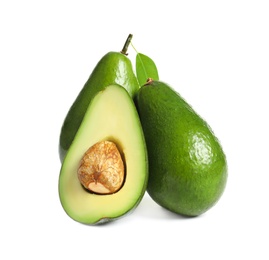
(101,169)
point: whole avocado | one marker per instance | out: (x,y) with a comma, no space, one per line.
(187,165)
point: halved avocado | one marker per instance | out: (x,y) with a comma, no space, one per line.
(109,141)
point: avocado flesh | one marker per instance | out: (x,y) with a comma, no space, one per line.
(110,116)
(113,68)
(187,166)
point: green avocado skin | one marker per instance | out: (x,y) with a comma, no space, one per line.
(187,165)
(113,68)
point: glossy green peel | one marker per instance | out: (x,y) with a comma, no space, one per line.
(187,166)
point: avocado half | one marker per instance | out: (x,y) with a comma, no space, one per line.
(111,117)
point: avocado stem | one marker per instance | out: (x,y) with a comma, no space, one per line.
(149,81)
(126,45)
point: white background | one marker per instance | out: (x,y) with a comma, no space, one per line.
(214,53)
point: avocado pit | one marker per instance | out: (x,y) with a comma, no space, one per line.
(101,169)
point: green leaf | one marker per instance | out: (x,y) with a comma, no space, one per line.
(145,68)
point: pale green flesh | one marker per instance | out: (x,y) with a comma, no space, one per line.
(111,116)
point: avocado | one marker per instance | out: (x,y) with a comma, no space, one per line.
(105,171)
(187,165)
(113,68)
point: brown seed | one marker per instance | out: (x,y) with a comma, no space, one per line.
(101,169)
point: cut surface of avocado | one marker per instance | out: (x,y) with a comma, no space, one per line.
(111,119)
